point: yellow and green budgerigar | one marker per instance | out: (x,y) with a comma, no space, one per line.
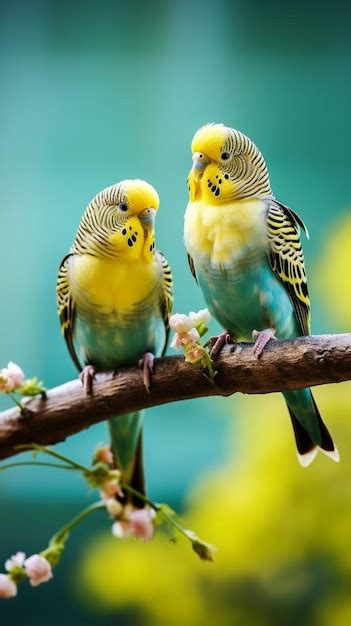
(115,294)
(245,252)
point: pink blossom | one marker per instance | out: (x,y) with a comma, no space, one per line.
(138,523)
(183,339)
(191,337)
(8,589)
(16,560)
(103,454)
(38,569)
(180,323)
(11,377)
(15,374)
(201,317)
(175,343)
(141,524)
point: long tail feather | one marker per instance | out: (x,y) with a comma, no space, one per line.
(306,450)
(127,447)
(137,480)
(327,446)
(317,437)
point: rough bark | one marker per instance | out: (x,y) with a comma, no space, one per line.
(292,364)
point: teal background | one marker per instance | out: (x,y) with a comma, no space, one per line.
(95,92)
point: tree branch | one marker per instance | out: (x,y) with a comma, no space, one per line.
(292,364)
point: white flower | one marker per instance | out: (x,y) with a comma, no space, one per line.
(38,569)
(8,589)
(15,374)
(191,337)
(120,529)
(201,317)
(180,323)
(183,339)
(11,377)
(16,560)
(175,343)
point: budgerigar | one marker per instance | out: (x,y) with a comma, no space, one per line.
(114,299)
(244,250)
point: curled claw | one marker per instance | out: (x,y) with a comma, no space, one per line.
(217,343)
(146,363)
(261,339)
(87,376)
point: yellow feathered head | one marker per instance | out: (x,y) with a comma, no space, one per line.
(226,166)
(120,221)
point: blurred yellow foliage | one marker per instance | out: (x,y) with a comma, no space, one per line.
(332,278)
(283,535)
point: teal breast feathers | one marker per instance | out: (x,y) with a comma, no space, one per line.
(109,346)
(247,298)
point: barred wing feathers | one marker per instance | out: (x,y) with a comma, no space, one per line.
(167,293)
(286,258)
(66,308)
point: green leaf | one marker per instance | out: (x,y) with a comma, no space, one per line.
(31,387)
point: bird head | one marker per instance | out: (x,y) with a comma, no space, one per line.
(226,166)
(120,220)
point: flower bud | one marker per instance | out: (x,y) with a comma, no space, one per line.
(8,589)
(103,454)
(38,569)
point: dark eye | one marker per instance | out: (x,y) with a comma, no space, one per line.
(225,156)
(123,206)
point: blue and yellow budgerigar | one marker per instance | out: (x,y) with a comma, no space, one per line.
(245,252)
(114,295)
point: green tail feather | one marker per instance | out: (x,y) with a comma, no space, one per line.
(309,429)
(301,405)
(126,433)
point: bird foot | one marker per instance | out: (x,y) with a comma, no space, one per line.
(261,339)
(216,343)
(87,376)
(146,363)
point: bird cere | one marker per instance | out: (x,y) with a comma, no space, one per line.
(115,297)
